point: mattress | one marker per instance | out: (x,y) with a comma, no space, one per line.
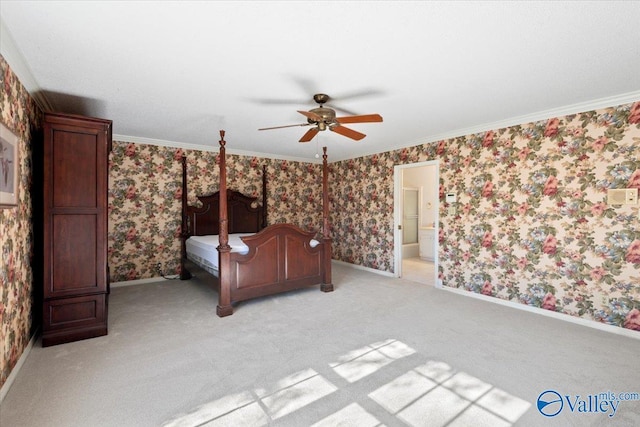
(203,249)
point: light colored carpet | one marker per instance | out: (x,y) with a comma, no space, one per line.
(377,351)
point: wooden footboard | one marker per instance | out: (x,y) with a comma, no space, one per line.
(280,258)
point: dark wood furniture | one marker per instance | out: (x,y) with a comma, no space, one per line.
(76,277)
(280,256)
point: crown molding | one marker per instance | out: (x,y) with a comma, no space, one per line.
(18,64)
(611,101)
(214,149)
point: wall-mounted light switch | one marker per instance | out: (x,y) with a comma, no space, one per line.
(622,196)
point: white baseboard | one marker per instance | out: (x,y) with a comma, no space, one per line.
(360,267)
(136,282)
(560,316)
(14,372)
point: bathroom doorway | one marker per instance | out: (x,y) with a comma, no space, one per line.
(416,202)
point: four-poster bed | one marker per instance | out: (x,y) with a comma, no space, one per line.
(228,240)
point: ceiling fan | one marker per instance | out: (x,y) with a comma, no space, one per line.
(323,118)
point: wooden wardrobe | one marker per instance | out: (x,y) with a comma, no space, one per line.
(76,274)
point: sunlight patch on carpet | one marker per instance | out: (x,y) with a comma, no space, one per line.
(296,392)
(367,360)
(434,394)
(223,410)
(430,394)
(351,415)
(263,405)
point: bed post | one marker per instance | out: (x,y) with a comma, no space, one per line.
(184,232)
(224,250)
(264,196)
(326,285)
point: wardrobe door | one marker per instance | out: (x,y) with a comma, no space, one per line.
(76,282)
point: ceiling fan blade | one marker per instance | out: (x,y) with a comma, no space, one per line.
(349,133)
(287,126)
(343,110)
(310,115)
(268,101)
(308,136)
(306,85)
(357,94)
(366,118)
(352,95)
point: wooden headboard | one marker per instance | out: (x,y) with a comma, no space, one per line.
(244,213)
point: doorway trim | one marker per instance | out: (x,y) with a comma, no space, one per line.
(398,212)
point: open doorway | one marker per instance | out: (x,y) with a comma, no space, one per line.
(416,188)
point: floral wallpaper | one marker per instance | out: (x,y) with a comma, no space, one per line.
(145,190)
(362,210)
(20,114)
(531,223)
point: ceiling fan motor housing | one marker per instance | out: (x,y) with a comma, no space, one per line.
(327,114)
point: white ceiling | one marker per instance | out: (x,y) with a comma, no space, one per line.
(168,72)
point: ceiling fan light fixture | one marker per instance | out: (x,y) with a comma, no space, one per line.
(322,126)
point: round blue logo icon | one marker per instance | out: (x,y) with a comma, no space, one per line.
(550,403)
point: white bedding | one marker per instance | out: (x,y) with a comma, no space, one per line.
(203,249)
